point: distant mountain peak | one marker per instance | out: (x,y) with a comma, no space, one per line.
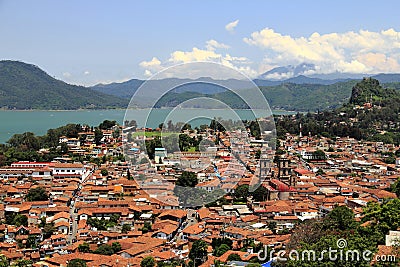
(287,72)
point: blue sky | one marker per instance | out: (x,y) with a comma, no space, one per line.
(87,42)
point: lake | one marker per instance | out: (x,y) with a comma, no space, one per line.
(39,122)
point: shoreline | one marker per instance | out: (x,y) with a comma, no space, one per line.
(118,109)
(55,110)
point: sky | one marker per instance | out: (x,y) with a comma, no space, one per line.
(89,42)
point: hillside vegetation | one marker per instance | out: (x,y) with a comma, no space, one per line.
(25,86)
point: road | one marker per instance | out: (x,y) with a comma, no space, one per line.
(190,220)
(73,214)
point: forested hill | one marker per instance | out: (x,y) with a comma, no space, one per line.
(372,113)
(25,86)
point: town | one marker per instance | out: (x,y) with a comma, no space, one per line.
(116,197)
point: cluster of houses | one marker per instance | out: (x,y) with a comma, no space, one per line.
(135,205)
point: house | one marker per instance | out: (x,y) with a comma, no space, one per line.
(69,170)
(235,232)
(209,186)
(393,238)
(174,215)
(194,231)
(62,227)
(380,195)
(167,231)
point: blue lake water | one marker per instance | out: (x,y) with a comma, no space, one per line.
(38,122)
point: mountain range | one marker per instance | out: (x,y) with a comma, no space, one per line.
(26,86)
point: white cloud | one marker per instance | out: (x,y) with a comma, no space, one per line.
(356,52)
(209,54)
(212,45)
(380,61)
(154,62)
(195,55)
(67,74)
(86,72)
(238,63)
(230,27)
(152,66)
(148,73)
(279,76)
(353,52)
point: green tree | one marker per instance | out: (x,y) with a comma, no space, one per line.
(37,194)
(31,241)
(21,220)
(64,148)
(107,124)
(395,188)
(340,218)
(319,154)
(25,141)
(104,250)
(148,262)
(216,242)
(114,218)
(98,135)
(104,172)
(48,229)
(22,263)
(4,261)
(84,248)
(77,263)
(241,192)
(198,253)
(260,194)
(187,179)
(384,217)
(125,228)
(234,257)
(116,246)
(146,227)
(221,250)
(272,226)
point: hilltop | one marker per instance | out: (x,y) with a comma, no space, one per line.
(371,113)
(26,86)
